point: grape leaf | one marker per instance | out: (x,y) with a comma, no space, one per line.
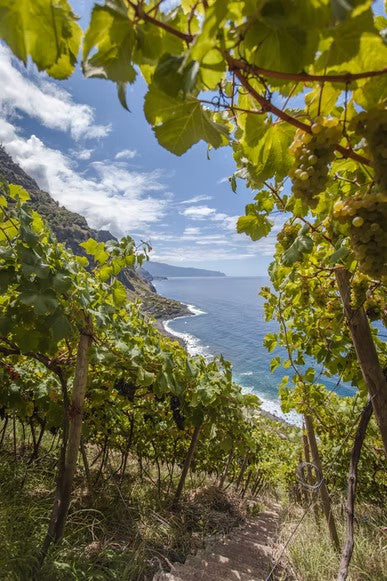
(45,30)
(113,38)
(302,245)
(181,123)
(280,48)
(254,225)
(44,303)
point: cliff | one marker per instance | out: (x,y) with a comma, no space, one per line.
(72,229)
(162,270)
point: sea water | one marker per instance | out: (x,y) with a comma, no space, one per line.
(227,318)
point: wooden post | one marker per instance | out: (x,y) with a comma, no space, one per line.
(86,467)
(242,470)
(366,353)
(352,483)
(72,428)
(187,464)
(4,430)
(307,459)
(326,501)
(75,426)
(225,471)
(14,435)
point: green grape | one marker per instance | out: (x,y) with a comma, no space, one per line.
(366,218)
(359,291)
(373,126)
(357,222)
(314,152)
(288,234)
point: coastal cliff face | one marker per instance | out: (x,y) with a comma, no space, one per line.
(72,229)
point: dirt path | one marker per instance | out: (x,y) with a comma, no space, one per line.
(246,554)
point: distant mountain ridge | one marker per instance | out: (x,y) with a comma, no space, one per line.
(160,269)
(72,229)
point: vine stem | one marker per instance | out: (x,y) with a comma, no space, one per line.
(366,352)
(304,220)
(351,492)
(187,464)
(303,77)
(326,500)
(140,13)
(250,68)
(268,106)
(236,66)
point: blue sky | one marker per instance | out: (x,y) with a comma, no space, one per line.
(97,159)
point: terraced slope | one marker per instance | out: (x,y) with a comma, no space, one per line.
(246,554)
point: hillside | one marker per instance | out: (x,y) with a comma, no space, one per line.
(161,269)
(72,229)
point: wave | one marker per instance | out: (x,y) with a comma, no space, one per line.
(193,344)
(274,407)
(195,310)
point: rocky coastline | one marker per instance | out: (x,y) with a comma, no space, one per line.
(159,324)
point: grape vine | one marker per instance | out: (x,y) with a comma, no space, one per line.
(285,89)
(366,218)
(313,154)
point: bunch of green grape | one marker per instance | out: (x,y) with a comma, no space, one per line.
(314,152)
(366,217)
(359,291)
(373,126)
(288,234)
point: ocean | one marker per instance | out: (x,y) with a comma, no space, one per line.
(227,318)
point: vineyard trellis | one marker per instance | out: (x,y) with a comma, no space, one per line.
(298,92)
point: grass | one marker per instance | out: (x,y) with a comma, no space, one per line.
(123,532)
(312,557)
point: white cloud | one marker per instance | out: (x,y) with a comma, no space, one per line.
(196,199)
(205,213)
(226,222)
(126,154)
(201,248)
(107,193)
(109,196)
(191,232)
(44,101)
(198,212)
(83,154)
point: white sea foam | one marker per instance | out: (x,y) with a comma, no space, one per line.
(193,344)
(274,407)
(195,347)
(195,310)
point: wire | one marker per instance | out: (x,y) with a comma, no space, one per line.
(313,499)
(300,475)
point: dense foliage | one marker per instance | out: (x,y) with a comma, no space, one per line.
(298,91)
(145,396)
